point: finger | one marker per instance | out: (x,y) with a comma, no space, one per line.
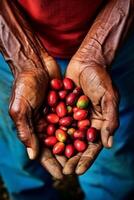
(71,164)
(21,114)
(110,123)
(61,159)
(51,164)
(52,66)
(91,152)
(88,157)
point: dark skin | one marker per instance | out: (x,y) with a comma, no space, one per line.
(33,68)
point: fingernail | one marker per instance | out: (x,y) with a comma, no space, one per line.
(30,153)
(110,141)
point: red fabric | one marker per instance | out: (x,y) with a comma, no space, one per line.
(61,24)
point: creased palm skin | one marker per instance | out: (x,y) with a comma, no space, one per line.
(97,85)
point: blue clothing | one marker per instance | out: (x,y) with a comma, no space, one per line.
(111,177)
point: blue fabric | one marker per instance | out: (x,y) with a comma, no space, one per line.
(24,179)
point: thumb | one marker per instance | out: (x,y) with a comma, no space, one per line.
(110,122)
(21,113)
(52,66)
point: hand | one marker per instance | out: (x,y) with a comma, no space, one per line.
(97,85)
(28,96)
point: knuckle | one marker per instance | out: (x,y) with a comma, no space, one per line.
(14,111)
(24,138)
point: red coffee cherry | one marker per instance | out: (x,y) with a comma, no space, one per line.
(68,84)
(56,84)
(61,135)
(83,124)
(51,129)
(71,99)
(50,141)
(80,114)
(92,134)
(58,148)
(52,98)
(65,121)
(52,118)
(79,134)
(80,145)
(69,150)
(62,94)
(61,109)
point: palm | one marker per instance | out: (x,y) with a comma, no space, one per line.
(97,85)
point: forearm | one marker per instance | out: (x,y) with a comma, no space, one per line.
(20,47)
(107,32)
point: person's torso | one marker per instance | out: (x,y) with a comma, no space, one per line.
(61,25)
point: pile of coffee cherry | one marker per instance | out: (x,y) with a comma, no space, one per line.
(68,129)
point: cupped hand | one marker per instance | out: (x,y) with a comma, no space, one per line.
(97,85)
(28,95)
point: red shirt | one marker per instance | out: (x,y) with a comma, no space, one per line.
(61,24)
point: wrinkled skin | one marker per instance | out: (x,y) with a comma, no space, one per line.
(97,85)
(28,95)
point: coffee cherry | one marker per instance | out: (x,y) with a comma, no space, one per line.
(69,109)
(50,129)
(63,128)
(69,150)
(62,94)
(68,84)
(77,91)
(92,134)
(65,121)
(75,109)
(58,148)
(83,102)
(80,145)
(50,141)
(80,114)
(83,124)
(71,99)
(61,109)
(52,98)
(61,135)
(79,134)
(52,118)
(71,131)
(56,84)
